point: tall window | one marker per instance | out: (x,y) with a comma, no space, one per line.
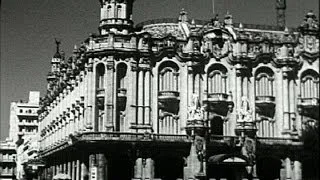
(119,11)
(109,13)
(217,79)
(310,84)
(168,88)
(264,82)
(121,96)
(168,77)
(100,75)
(264,87)
(121,74)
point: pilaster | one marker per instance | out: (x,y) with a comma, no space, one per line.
(109,99)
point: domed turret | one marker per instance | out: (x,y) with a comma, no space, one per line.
(116,16)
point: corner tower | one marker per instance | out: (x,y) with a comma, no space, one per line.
(116,16)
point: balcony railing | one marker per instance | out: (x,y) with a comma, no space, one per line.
(217,97)
(166,95)
(308,102)
(122,92)
(309,107)
(100,93)
(278,141)
(121,136)
(265,99)
(8,173)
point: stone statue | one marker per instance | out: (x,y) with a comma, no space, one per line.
(249,149)
(195,112)
(245,112)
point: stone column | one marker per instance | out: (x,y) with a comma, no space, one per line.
(102,167)
(74,169)
(54,171)
(64,167)
(109,95)
(147,98)
(288,168)
(297,170)
(238,89)
(149,168)
(190,85)
(138,168)
(285,95)
(69,168)
(92,165)
(77,169)
(133,95)
(84,167)
(91,96)
(140,96)
(292,102)
(245,86)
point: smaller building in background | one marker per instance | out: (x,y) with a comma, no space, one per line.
(7,159)
(24,117)
(27,152)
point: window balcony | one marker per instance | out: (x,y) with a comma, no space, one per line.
(265,105)
(309,107)
(122,98)
(219,103)
(169,101)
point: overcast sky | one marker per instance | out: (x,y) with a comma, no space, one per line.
(28,29)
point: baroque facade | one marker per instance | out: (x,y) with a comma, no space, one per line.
(181,99)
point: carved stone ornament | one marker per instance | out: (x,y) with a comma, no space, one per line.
(195,112)
(245,111)
(160,31)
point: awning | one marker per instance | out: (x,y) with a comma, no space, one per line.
(62,176)
(228,159)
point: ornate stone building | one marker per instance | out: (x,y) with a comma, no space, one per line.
(181,99)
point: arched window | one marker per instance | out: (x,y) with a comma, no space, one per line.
(119,11)
(109,12)
(310,84)
(169,98)
(217,79)
(168,77)
(100,76)
(264,82)
(264,89)
(121,96)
